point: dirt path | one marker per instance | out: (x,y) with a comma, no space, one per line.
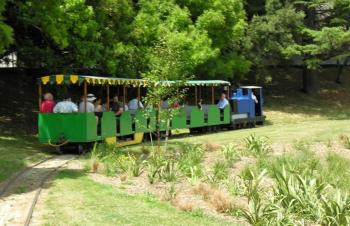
(15,203)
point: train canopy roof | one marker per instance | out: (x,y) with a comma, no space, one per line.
(95,80)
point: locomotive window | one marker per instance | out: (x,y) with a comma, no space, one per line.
(245,92)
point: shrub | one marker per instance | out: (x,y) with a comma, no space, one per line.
(345,140)
(302,195)
(130,164)
(154,165)
(258,146)
(169,170)
(190,160)
(230,154)
(219,172)
(337,210)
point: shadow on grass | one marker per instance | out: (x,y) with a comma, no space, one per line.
(32,180)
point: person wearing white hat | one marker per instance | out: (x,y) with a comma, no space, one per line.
(90,107)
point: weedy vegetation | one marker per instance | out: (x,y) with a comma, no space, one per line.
(257,146)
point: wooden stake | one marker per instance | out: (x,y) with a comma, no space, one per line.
(212,95)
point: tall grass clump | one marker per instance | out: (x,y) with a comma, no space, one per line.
(162,168)
(103,159)
(257,146)
(300,161)
(296,200)
(301,194)
(336,171)
(130,164)
(345,140)
(230,153)
(219,172)
(190,159)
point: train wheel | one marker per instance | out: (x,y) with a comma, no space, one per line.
(80,149)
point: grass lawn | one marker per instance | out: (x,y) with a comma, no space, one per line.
(75,199)
(17,152)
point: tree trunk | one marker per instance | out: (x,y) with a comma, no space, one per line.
(340,67)
(310,80)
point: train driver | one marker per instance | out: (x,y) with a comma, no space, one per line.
(222,102)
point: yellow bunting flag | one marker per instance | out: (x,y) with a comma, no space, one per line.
(45,79)
(74,79)
(59,79)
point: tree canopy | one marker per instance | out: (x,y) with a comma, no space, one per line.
(223,39)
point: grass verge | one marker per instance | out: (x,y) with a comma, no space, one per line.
(74,199)
(16,153)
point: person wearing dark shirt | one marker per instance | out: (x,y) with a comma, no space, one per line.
(117,106)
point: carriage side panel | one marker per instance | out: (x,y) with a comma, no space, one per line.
(72,127)
(196,118)
(125,123)
(108,125)
(179,120)
(213,115)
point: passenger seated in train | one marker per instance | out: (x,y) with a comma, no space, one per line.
(65,106)
(199,104)
(222,102)
(117,106)
(98,105)
(135,104)
(164,104)
(48,104)
(90,107)
(176,104)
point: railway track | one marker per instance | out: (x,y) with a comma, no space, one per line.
(20,194)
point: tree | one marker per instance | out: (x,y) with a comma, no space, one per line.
(225,23)
(6,31)
(313,31)
(172,47)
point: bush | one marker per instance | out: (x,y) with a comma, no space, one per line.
(257,146)
(230,154)
(190,160)
(219,172)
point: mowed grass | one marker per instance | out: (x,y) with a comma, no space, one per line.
(75,199)
(18,152)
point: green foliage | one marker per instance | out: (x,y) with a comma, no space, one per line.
(258,146)
(130,164)
(230,154)
(190,160)
(162,168)
(218,173)
(6,32)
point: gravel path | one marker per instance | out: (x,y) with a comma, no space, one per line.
(15,203)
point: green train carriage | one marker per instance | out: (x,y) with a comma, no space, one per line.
(80,128)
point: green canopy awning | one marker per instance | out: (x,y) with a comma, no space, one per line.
(95,80)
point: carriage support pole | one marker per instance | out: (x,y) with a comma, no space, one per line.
(85,96)
(124,96)
(138,96)
(196,92)
(212,95)
(107,104)
(40,95)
